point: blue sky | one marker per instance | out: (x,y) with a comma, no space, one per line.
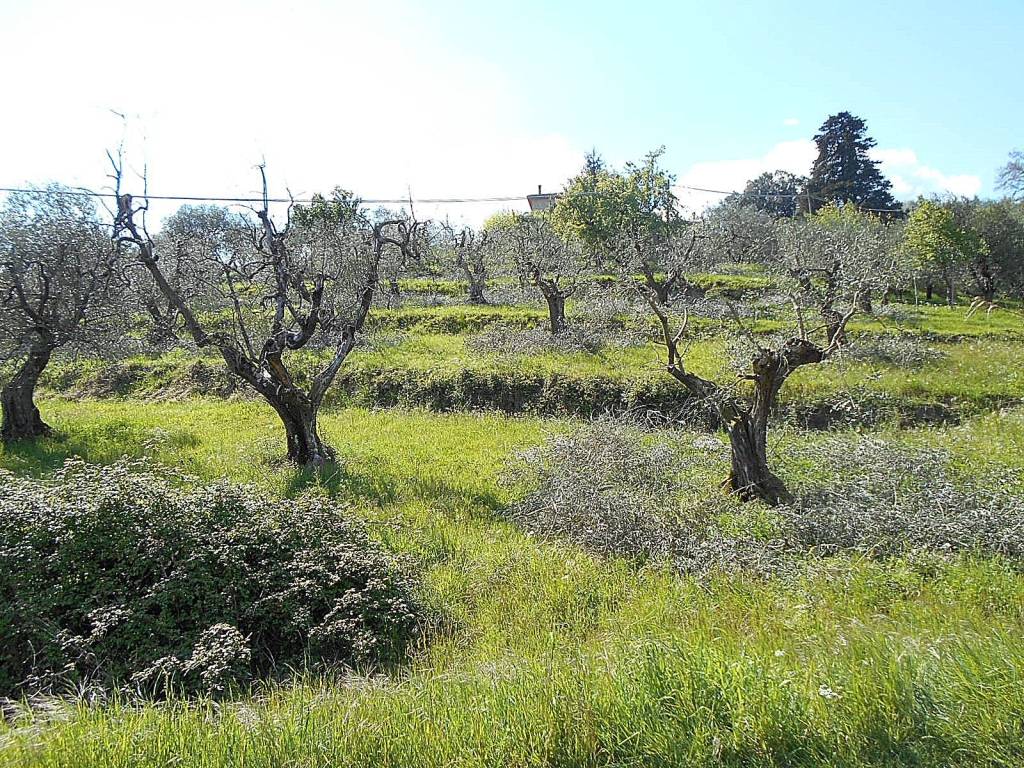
(475,99)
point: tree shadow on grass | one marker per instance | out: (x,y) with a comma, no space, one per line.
(376,486)
(95,443)
(338,480)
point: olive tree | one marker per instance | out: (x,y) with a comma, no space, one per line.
(545,260)
(836,253)
(61,284)
(471,253)
(829,265)
(261,292)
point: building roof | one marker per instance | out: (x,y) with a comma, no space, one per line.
(542,201)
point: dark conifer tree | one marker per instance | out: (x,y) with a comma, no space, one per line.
(843,172)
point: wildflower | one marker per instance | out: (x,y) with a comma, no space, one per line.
(827,693)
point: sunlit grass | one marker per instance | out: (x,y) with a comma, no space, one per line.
(548,655)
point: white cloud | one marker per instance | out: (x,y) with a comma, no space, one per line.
(791,121)
(894,156)
(732,175)
(911,178)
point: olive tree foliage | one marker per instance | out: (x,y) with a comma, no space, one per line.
(629,221)
(828,263)
(61,283)
(732,233)
(259,292)
(996,260)
(835,254)
(471,252)
(190,242)
(544,259)
(939,245)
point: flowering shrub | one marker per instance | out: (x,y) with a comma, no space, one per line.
(122,576)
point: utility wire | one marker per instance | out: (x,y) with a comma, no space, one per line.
(400,201)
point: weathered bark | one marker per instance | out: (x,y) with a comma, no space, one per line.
(21,419)
(556,311)
(750,478)
(834,326)
(476,294)
(864,302)
(299,416)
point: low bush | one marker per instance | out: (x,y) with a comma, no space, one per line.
(510,341)
(122,577)
(616,490)
(455,318)
(883,499)
(893,349)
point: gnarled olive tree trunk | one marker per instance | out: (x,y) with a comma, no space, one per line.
(556,311)
(299,416)
(555,297)
(750,476)
(476,291)
(21,417)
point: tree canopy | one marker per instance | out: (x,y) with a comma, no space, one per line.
(773,192)
(844,172)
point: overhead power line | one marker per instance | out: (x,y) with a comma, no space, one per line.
(404,200)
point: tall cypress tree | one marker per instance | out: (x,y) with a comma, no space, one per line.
(843,172)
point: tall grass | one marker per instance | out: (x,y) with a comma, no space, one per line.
(549,656)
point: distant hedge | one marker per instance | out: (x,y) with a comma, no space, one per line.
(120,577)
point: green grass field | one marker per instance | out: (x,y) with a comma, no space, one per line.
(544,654)
(548,655)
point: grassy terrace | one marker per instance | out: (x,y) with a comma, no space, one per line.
(545,654)
(540,653)
(429,357)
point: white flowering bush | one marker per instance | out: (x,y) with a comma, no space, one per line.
(126,577)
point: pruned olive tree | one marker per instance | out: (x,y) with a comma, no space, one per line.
(471,253)
(829,268)
(61,283)
(545,260)
(836,253)
(260,293)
